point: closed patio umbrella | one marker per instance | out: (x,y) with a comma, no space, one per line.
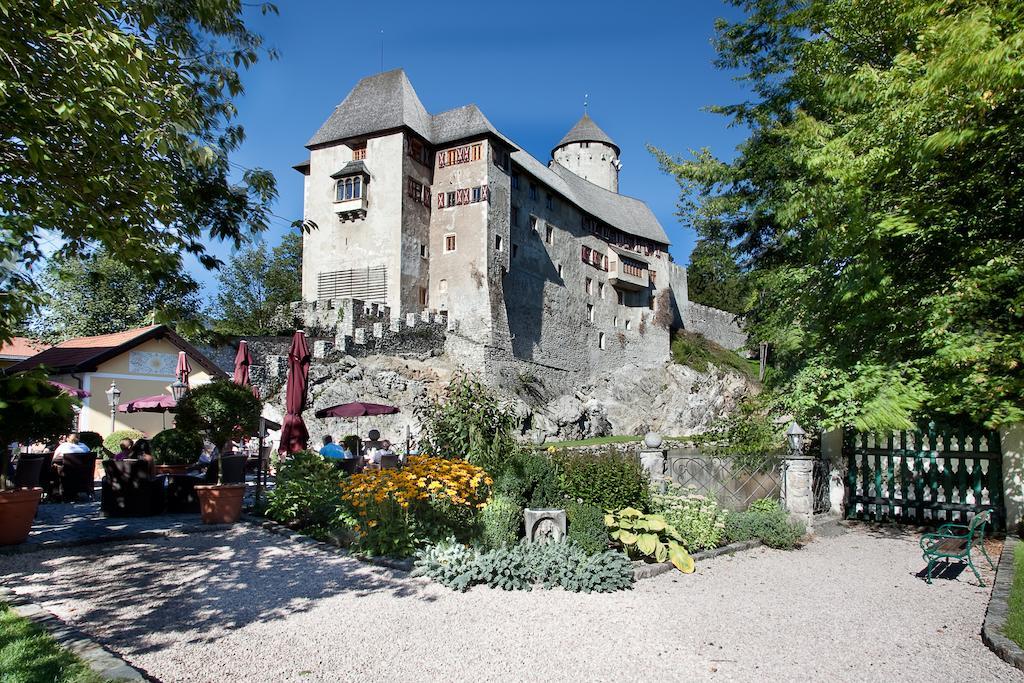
(243,359)
(184,369)
(294,435)
(70,390)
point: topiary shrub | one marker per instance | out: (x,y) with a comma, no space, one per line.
(112,442)
(611,480)
(500,521)
(176,447)
(220,410)
(586,527)
(91,439)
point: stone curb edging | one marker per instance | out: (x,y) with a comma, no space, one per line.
(114,537)
(105,663)
(995,617)
(298,537)
(649,571)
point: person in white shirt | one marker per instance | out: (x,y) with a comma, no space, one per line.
(72,445)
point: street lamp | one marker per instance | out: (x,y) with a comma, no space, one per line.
(795,435)
(113,398)
(178,390)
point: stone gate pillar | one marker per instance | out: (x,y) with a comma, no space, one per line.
(799,483)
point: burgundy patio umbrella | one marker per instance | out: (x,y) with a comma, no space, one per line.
(243,360)
(184,369)
(70,390)
(294,435)
(357,409)
(161,403)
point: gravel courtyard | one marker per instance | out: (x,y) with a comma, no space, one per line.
(246,605)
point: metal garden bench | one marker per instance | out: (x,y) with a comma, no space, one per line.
(955,542)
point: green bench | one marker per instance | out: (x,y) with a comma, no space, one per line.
(955,542)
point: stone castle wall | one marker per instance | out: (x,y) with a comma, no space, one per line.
(719,326)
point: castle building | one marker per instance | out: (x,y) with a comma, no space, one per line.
(543,269)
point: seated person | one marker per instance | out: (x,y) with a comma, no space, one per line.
(333,451)
(126,450)
(142,450)
(385,449)
(372,444)
(71,445)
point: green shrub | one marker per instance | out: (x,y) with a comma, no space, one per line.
(648,537)
(764,505)
(307,492)
(468,422)
(91,439)
(530,479)
(611,480)
(524,566)
(500,522)
(586,527)
(176,447)
(352,443)
(220,410)
(771,526)
(113,440)
(697,518)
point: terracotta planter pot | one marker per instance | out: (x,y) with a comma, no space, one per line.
(17,510)
(220,504)
(171,469)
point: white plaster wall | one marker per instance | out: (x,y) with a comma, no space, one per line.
(375,240)
(1012,442)
(595,163)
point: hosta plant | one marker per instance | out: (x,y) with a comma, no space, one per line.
(648,537)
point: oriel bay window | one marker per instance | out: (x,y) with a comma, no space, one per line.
(349,188)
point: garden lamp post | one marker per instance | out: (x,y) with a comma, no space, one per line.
(795,435)
(113,398)
(178,390)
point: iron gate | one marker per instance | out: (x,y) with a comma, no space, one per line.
(734,481)
(927,476)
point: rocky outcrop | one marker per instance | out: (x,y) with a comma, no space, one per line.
(673,399)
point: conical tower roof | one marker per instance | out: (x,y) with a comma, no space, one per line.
(586,130)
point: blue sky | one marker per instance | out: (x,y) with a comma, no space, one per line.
(645,65)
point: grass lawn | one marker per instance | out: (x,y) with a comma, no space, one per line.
(1015,614)
(695,351)
(29,655)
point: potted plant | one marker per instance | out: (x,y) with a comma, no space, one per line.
(31,408)
(221,410)
(175,449)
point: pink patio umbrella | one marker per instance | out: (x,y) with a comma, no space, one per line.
(243,359)
(161,403)
(294,435)
(357,409)
(70,390)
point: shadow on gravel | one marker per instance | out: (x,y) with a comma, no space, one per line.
(195,584)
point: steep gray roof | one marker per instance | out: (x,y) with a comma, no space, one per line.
(628,214)
(586,130)
(460,123)
(380,102)
(351,168)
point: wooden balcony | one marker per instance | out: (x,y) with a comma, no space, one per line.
(627,271)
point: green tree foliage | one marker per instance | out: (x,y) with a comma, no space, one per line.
(713,277)
(221,410)
(878,202)
(32,408)
(117,126)
(100,294)
(255,284)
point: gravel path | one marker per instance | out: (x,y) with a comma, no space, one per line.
(242,604)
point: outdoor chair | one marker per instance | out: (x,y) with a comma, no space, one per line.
(30,470)
(347,465)
(77,476)
(234,469)
(389,462)
(955,542)
(130,490)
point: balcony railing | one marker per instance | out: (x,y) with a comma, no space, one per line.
(350,209)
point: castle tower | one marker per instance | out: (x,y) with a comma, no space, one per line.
(587,151)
